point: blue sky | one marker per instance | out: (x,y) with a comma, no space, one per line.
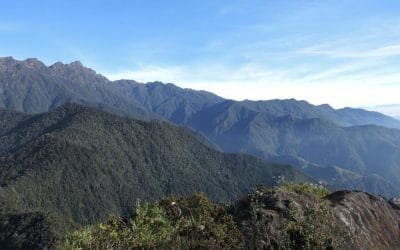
(345,53)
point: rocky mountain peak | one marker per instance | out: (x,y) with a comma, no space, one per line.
(75,69)
(34,63)
(11,63)
(6,59)
(77,65)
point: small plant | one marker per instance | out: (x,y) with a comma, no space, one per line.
(202,224)
(311,226)
(316,190)
(311,229)
(150,227)
(80,239)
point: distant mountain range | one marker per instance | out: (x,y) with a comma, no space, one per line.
(346,148)
(32,87)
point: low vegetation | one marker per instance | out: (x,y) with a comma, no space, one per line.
(197,223)
(173,223)
(312,227)
(316,190)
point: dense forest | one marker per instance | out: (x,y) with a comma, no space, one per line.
(76,165)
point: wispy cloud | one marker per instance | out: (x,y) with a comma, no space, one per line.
(305,51)
(343,70)
(351,52)
(150,73)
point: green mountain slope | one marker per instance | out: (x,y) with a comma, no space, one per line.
(82,164)
(167,100)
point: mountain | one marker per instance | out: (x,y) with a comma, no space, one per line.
(338,178)
(30,86)
(369,151)
(346,148)
(81,164)
(345,117)
(363,117)
(167,100)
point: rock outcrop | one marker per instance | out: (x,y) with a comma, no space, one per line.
(276,218)
(372,222)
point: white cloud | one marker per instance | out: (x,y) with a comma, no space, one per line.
(391,110)
(385,51)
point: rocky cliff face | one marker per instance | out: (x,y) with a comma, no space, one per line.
(371,221)
(298,219)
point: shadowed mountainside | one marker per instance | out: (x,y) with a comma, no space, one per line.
(81,164)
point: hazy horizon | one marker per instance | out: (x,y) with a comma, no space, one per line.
(344,53)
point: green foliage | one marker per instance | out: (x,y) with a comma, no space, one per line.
(201,223)
(175,223)
(305,188)
(310,226)
(79,239)
(149,228)
(312,230)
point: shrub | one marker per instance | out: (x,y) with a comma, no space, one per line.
(192,222)
(305,188)
(149,228)
(201,223)
(311,226)
(79,239)
(311,230)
